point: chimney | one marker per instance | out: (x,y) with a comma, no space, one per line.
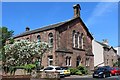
(77,9)
(27,29)
(105,41)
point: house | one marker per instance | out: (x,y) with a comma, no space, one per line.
(70,42)
(118,50)
(104,55)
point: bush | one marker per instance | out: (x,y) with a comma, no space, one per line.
(73,71)
(82,69)
(78,72)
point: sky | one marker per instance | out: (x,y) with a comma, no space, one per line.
(101,18)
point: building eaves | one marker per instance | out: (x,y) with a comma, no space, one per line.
(104,45)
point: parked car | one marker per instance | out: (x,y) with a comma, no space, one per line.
(66,71)
(115,71)
(54,69)
(101,72)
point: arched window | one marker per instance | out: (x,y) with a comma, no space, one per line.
(38,38)
(50,60)
(68,61)
(81,41)
(73,37)
(78,39)
(50,39)
(27,38)
(78,61)
(87,62)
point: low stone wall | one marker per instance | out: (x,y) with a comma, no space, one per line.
(16,77)
(47,75)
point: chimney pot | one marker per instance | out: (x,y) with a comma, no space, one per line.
(105,41)
(27,29)
(77,9)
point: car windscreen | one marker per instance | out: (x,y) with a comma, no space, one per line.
(101,69)
(115,68)
(58,68)
(48,68)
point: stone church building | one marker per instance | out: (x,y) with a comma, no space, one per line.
(70,42)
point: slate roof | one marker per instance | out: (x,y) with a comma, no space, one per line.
(53,26)
(104,45)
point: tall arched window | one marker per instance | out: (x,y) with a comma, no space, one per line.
(75,39)
(38,38)
(73,36)
(50,39)
(81,41)
(78,61)
(78,41)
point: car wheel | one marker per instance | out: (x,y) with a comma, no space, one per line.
(110,75)
(104,75)
(93,76)
(115,74)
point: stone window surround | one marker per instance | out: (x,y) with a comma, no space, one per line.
(79,42)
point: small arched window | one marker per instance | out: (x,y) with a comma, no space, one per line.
(27,38)
(50,39)
(78,61)
(38,38)
(68,61)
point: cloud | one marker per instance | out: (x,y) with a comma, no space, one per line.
(99,11)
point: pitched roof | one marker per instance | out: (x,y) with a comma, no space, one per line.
(53,26)
(104,45)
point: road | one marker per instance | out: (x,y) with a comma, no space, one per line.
(89,77)
(75,77)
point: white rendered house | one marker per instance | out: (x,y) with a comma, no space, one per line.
(104,55)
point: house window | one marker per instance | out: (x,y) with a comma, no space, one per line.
(107,61)
(50,60)
(77,40)
(50,38)
(112,60)
(87,61)
(27,39)
(81,41)
(74,38)
(38,38)
(18,40)
(78,61)
(68,61)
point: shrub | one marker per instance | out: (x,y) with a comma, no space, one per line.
(82,69)
(78,72)
(73,71)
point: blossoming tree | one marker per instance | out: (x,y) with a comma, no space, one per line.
(22,52)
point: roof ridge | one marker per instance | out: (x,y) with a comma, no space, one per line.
(102,44)
(45,27)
